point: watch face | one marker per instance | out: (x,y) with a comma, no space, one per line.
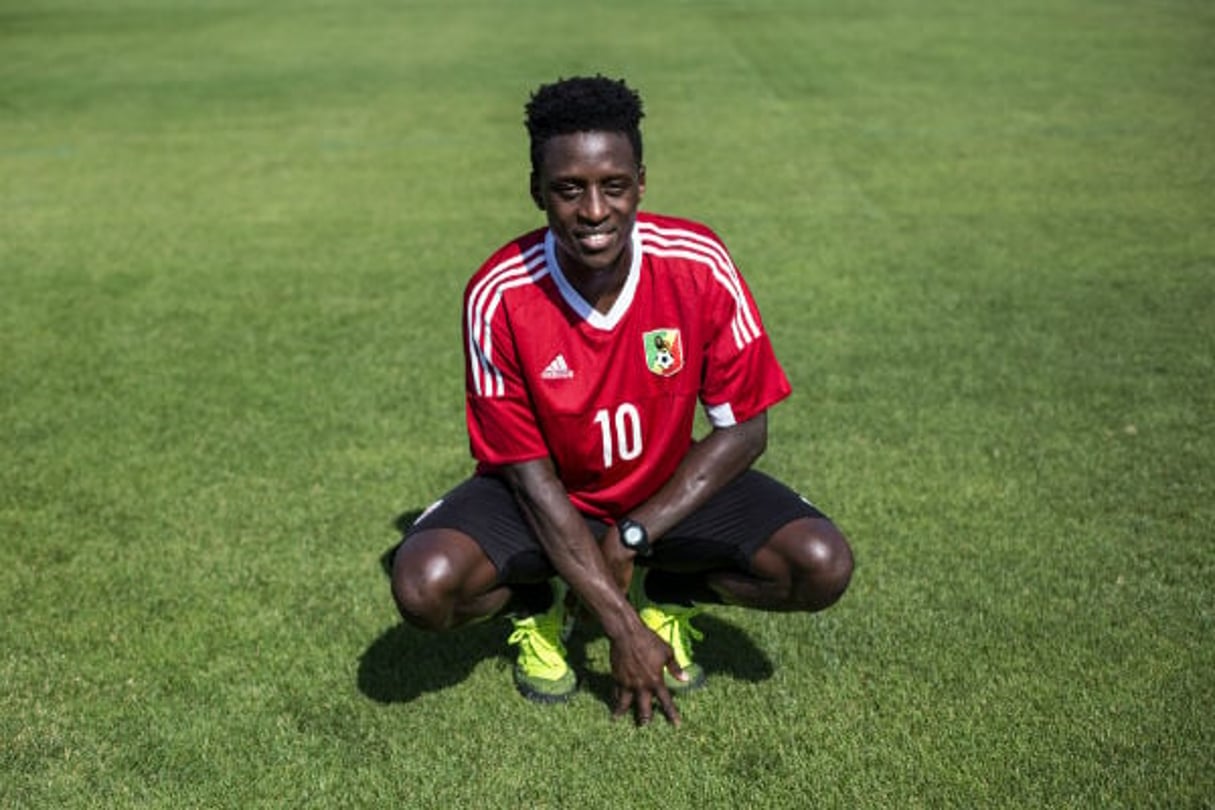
(632,536)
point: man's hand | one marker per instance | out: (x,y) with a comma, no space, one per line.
(638,661)
(618,558)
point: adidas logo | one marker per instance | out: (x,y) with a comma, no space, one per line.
(558,369)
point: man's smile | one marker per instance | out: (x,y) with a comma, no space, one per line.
(593,241)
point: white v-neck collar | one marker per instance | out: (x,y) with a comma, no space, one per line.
(599,320)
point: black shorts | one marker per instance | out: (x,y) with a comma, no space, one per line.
(722,535)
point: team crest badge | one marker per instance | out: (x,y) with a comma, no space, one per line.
(663,351)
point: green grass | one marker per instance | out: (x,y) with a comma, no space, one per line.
(232,245)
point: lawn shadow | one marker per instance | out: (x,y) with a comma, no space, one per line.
(725,651)
(405,663)
(403,521)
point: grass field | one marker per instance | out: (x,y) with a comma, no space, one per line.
(232,245)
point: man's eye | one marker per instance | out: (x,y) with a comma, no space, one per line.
(566,191)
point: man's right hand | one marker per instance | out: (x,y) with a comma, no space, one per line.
(638,661)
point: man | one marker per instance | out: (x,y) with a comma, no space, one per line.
(588,346)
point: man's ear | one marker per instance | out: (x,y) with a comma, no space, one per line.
(641,180)
(534,188)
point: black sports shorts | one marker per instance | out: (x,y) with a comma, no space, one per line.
(723,534)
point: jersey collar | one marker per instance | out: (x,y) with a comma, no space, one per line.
(599,320)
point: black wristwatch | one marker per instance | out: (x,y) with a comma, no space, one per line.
(634,536)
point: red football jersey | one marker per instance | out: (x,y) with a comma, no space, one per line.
(612,397)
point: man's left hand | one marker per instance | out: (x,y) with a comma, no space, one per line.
(618,558)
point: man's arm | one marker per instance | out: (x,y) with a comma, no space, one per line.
(638,655)
(710,464)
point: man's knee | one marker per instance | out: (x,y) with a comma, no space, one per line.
(440,578)
(423,585)
(821,563)
(832,569)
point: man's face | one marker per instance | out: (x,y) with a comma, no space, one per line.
(589,185)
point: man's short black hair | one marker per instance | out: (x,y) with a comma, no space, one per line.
(583,104)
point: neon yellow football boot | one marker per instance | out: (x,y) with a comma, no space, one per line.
(673,624)
(541,671)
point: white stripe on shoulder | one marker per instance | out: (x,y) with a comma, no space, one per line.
(721,416)
(483,300)
(686,244)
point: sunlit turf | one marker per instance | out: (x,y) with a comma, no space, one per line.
(232,249)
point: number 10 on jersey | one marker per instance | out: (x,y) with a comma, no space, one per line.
(621,433)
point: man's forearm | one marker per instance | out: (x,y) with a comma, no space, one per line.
(569,544)
(711,463)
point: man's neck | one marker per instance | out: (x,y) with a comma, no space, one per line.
(599,288)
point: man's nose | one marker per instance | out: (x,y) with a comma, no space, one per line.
(594,205)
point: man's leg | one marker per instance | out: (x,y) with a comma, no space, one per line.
(755,544)
(442,579)
(468,557)
(471,556)
(805,565)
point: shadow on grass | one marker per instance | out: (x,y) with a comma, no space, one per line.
(403,522)
(405,663)
(725,651)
